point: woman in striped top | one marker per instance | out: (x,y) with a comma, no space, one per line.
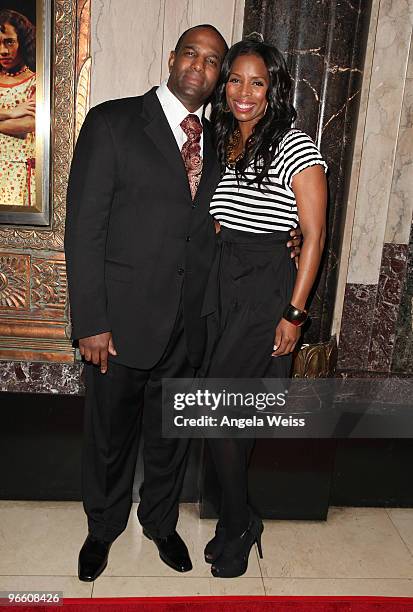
(273,177)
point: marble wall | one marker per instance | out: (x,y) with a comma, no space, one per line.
(383,125)
(374,318)
(132,39)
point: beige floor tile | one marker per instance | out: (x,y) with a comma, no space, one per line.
(237,586)
(352,543)
(8,503)
(134,555)
(402,519)
(41,538)
(333,586)
(168,586)
(70,585)
(401,513)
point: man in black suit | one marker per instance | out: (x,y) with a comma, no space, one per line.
(139,245)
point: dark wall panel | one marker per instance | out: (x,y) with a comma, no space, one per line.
(40,441)
(40,454)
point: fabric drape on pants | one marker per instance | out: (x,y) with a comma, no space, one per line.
(251,283)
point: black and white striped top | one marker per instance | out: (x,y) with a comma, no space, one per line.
(274,208)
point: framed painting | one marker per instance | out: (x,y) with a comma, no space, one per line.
(34,309)
(25,76)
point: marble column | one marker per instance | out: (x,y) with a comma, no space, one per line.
(376,325)
(324,44)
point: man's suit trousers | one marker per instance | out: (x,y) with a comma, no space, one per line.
(119,405)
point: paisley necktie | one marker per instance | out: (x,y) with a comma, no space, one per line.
(191,151)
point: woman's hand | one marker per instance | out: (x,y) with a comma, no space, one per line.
(24,109)
(295,244)
(286,337)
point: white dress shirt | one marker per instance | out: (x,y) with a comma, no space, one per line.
(175,113)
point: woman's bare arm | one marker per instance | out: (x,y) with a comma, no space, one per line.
(18,127)
(310,190)
(19,120)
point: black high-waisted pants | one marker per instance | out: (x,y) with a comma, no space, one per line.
(251,283)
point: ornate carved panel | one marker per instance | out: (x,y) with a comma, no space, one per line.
(34,318)
(14,282)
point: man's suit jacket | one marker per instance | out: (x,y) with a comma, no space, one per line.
(135,242)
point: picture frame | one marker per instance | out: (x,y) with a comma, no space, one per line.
(34,307)
(33,206)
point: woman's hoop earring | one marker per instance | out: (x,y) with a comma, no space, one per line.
(226,108)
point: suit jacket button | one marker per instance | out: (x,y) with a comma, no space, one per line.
(188,238)
(192,205)
(181,271)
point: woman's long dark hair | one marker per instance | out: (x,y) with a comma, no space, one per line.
(262,145)
(26,35)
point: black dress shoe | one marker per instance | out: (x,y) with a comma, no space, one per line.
(172,551)
(93,558)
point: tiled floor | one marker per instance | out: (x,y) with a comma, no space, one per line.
(357,551)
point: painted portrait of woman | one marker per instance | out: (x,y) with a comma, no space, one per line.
(17,109)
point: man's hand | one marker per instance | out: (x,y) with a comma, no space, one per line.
(295,243)
(96,349)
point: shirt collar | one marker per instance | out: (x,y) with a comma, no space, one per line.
(174,110)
